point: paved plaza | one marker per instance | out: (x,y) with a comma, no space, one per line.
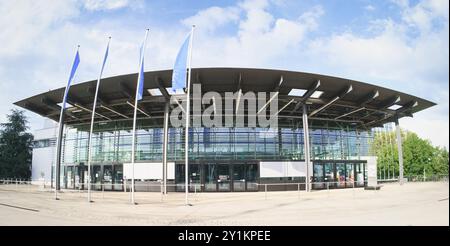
(410,204)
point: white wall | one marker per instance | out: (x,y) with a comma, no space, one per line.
(43,158)
(151,170)
(275,169)
(42,161)
(372,179)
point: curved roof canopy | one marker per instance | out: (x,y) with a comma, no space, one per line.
(341,100)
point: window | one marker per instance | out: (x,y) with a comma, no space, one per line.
(44,143)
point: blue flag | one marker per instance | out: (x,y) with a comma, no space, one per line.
(141,81)
(72,73)
(141,75)
(104,59)
(180,66)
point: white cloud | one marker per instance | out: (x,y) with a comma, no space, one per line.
(423,14)
(260,37)
(429,124)
(401,3)
(410,55)
(22,22)
(213,17)
(257,20)
(369,7)
(40,36)
(39,39)
(95,5)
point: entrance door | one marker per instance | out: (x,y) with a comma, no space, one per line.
(350,175)
(329,175)
(340,175)
(118,177)
(223,177)
(108,177)
(239,177)
(70,177)
(79,177)
(359,174)
(251,177)
(195,178)
(210,177)
(318,179)
(179,177)
(96,179)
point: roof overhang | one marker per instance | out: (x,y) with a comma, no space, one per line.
(342,100)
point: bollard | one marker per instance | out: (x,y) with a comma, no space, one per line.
(298,187)
(129,196)
(353,183)
(328,189)
(103,191)
(265,191)
(161,190)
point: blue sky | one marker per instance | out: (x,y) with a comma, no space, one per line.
(398,44)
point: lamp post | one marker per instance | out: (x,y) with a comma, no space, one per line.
(424,166)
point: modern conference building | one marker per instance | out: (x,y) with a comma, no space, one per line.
(338,114)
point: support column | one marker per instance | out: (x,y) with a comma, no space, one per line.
(58,152)
(165,142)
(280,142)
(400,151)
(306,146)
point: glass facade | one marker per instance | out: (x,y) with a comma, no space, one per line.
(222,176)
(336,174)
(221,159)
(114,145)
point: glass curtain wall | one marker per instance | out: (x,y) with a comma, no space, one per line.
(113,145)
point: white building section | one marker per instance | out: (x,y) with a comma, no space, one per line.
(278,169)
(43,153)
(372,180)
(148,171)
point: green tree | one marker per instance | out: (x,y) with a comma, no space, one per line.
(419,155)
(15,147)
(439,163)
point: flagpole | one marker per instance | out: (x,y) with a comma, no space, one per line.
(60,134)
(134,119)
(92,121)
(186,143)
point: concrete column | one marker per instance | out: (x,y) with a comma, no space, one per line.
(165,143)
(400,151)
(306,146)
